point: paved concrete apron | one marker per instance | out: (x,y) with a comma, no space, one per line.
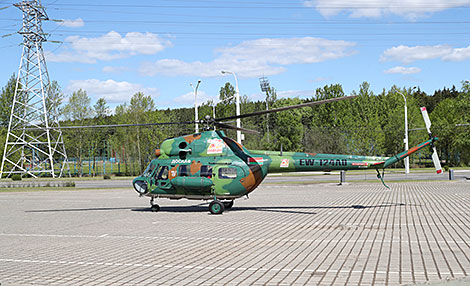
(322,234)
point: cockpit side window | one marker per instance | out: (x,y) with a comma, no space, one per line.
(183,170)
(162,173)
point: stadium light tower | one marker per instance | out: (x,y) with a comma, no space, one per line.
(264,85)
(34,143)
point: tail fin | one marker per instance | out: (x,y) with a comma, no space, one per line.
(435,157)
(392,160)
(404,154)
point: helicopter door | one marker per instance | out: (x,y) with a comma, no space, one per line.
(224,175)
(162,177)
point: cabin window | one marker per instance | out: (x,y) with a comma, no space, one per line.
(162,173)
(206,171)
(183,170)
(149,170)
(227,173)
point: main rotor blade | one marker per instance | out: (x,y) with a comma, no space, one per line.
(114,125)
(287,108)
(226,126)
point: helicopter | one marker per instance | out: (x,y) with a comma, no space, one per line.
(212,166)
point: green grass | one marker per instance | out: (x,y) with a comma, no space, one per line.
(35,189)
(49,189)
(100,177)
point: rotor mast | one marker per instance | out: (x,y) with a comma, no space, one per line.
(40,151)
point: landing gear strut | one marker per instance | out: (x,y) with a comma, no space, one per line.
(154,207)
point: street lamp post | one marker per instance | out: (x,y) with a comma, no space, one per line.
(196,117)
(407,159)
(237,99)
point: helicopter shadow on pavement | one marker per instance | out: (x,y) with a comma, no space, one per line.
(305,209)
(203,208)
(80,209)
(309,210)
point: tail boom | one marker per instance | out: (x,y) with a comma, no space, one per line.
(274,162)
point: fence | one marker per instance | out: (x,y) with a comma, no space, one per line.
(99,166)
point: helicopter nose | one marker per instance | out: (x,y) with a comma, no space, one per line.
(141,186)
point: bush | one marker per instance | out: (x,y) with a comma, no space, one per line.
(106,177)
(16,177)
(69,184)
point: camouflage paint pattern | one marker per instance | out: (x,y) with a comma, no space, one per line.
(209,165)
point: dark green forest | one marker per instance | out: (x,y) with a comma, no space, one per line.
(370,124)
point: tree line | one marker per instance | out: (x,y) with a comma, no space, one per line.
(370,124)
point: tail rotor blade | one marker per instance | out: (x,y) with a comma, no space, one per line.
(435,160)
(435,157)
(426,119)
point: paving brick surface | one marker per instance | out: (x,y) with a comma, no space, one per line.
(320,234)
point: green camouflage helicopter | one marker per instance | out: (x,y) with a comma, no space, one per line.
(211,166)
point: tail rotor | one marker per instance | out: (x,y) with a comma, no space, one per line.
(435,157)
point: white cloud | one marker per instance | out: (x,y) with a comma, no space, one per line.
(320,79)
(403,70)
(111,69)
(296,93)
(77,23)
(256,57)
(187,99)
(112,91)
(109,47)
(458,55)
(373,9)
(174,67)
(406,54)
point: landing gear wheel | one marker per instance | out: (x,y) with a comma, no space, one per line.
(228,205)
(216,207)
(155,208)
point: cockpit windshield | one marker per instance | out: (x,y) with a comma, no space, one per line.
(149,170)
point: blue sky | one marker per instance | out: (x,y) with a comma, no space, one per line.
(113,49)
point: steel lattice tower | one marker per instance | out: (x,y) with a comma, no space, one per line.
(34,143)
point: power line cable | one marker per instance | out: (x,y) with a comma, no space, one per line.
(345,6)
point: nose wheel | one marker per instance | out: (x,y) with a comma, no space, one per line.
(154,207)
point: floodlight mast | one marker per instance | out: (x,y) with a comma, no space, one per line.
(264,84)
(26,151)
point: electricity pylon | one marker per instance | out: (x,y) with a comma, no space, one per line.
(34,143)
